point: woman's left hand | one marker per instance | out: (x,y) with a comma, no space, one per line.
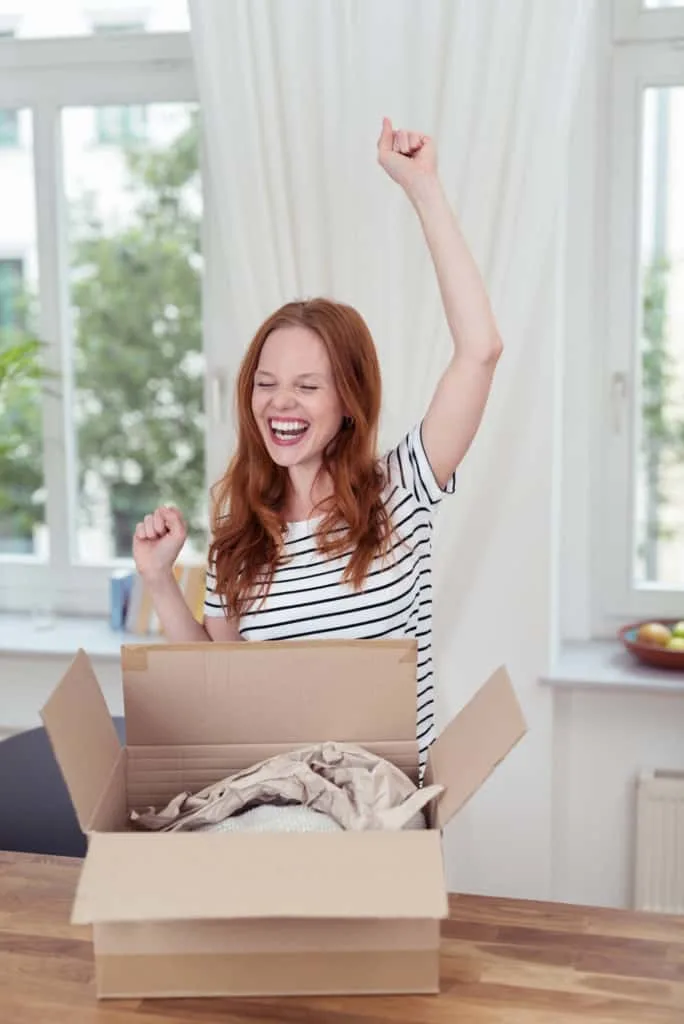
(408,157)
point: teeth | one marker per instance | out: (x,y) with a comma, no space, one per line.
(288,426)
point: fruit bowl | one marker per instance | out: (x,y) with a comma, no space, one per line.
(648,652)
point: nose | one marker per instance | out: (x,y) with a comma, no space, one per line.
(282,399)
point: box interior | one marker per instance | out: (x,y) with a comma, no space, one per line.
(198,712)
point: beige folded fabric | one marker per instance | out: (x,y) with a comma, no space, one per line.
(355,788)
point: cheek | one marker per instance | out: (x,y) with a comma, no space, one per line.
(258,402)
(328,412)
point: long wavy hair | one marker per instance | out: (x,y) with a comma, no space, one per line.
(248,502)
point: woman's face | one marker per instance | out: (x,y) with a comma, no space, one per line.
(294,399)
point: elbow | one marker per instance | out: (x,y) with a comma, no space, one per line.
(489,351)
(485,353)
(494,350)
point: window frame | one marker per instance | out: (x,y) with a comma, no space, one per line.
(7,32)
(46,76)
(633,22)
(643,61)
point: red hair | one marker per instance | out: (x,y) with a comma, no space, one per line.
(248,501)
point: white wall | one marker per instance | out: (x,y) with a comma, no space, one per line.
(26,682)
(602,741)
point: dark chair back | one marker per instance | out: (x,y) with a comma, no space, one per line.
(36,815)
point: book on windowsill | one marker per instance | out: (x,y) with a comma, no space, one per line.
(141,618)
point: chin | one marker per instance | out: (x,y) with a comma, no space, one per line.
(285,459)
(284,455)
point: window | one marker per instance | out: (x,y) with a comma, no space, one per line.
(9,129)
(136,341)
(9,121)
(22,493)
(11,289)
(119,126)
(100,278)
(42,19)
(642,532)
(659,479)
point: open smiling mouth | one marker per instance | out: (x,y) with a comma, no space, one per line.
(287,432)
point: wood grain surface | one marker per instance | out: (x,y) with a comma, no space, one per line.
(503,960)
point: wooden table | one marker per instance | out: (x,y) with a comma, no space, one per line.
(506,961)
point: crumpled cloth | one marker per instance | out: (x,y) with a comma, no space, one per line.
(355,788)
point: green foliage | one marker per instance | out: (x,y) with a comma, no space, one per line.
(662,420)
(656,362)
(21,374)
(19,360)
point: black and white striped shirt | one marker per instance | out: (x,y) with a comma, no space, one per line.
(308,599)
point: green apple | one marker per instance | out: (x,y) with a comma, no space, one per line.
(678,629)
(675,644)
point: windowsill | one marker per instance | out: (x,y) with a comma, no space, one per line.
(28,636)
(591,665)
(606,665)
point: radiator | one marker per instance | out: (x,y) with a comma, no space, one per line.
(659,853)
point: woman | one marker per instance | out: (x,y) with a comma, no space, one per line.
(313,536)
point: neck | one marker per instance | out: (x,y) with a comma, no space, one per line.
(307,488)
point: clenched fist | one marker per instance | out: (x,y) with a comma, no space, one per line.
(158,540)
(408,157)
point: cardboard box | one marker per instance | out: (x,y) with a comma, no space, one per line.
(200,914)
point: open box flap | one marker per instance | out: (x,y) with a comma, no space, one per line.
(288,692)
(468,750)
(178,876)
(83,736)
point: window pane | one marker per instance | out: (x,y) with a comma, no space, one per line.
(22,498)
(9,129)
(659,555)
(134,234)
(120,126)
(45,18)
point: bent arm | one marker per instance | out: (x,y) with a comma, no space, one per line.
(456,409)
(176,620)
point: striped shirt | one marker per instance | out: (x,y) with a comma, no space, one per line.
(309,600)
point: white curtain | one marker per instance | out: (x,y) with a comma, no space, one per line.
(293,93)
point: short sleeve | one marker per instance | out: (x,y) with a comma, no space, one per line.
(408,467)
(213,606)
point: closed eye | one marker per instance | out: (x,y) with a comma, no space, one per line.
(264,384)
(309,387)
